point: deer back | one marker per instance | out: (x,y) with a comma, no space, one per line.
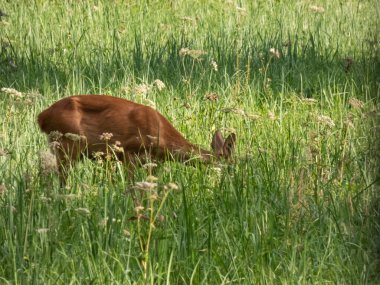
(136,127)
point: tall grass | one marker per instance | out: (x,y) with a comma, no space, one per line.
(297,83)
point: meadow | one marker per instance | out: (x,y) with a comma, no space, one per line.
(297,81)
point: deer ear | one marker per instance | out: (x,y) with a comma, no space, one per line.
(217,142)
(229,146)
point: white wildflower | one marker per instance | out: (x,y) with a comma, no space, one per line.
(12,92)
(214,65)
(194,53)
(309,101)
(183,51)
(275,52)
(145,185)
(252,116)
(141,90)
(159,84)
(117,147)
(83,211)
(42,230)
(356,103)
(234,110)
(187,19)
(138,209)
(171,186)
(212,96)
(325,120)
(105,136)
(75,137)
(197,54)
(151,178)
(153,197)
(317,9)
(55,136)
(48,163)
(149,165)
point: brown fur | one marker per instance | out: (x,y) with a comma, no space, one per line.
(140,130)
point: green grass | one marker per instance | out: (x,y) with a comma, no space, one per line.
(298,205)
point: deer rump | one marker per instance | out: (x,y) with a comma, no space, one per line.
(139,130)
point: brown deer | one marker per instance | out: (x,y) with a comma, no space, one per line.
(87,124)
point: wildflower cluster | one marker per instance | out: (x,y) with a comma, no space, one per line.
(194,53)
(48,163)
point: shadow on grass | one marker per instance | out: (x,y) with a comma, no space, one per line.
(303,68)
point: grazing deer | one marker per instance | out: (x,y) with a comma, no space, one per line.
(82,125)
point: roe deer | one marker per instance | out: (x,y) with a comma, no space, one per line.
(137,130)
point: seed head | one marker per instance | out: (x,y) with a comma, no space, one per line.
(317,9)
(275,52)
(75,137)
(106,136)
(187,19)
(149,165)
(217,170)
(103,222)
(214,65)
(159,84)
(117,147)
(194,53)
(145,185)
(42,230)
(349,123)
(48,163)
(183,52)
(139,209)
(151,178)
(212,96)
(325,120)
(45,199)
(83,211)
(197,54)
(356,103)
(98,155)
(55,136)
(234,110)
(153,197)
(252,116)
(171,186)
(309,101)
(13,92)
(142,90)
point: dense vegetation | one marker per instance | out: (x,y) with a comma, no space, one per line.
(297,81)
